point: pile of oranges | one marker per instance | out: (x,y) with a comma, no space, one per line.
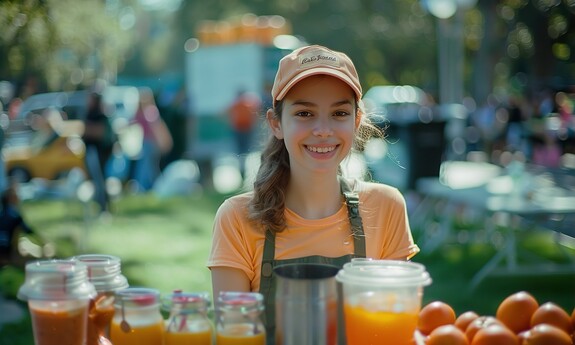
(519,320)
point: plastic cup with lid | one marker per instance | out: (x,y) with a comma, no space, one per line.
(58,293)
(381,300)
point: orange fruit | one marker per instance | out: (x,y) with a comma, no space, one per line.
(447,335)
(433,315)
(516,310)
(495,334)
(552,314)
(543,334)
(464,319)
(522,336)
(479,323)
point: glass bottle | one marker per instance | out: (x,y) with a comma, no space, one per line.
(239,318)
(188,322)
(104,273)
(137,318)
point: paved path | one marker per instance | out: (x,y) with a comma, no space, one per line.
(11,312)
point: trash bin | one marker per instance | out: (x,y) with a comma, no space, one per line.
(425,143)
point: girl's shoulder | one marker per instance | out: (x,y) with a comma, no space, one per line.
(377,190)
(236,203)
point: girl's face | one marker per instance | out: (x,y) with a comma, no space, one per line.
(317,124)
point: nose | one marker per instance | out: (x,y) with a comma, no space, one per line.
(323,128)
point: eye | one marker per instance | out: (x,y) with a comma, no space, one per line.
(303,113)
(341,113)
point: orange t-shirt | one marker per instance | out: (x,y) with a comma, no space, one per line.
(238,244)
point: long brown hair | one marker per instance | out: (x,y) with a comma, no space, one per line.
(267,206)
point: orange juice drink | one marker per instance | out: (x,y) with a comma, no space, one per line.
(137,319)
(240,334)
(59,327)
(58,293)
(381,300)
(188,338)
(188,323)
(151,334)
(104,272)
(99,318)
(378,327)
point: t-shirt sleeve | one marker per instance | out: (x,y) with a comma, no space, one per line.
(400,245)
(384,213)
(229,242)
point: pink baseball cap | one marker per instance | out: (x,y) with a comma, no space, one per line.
(312,60)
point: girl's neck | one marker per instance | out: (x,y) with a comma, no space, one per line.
(314,197)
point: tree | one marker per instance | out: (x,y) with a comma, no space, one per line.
(64,43)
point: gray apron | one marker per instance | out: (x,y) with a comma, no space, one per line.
(268,279)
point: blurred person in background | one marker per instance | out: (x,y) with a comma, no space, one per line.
(243,117)
(566,131)
(11,223)
(99,138)
(157,141)
(486,122)
(515,130)
(4,123)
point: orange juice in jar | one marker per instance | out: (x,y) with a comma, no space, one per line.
(188,322)
(240,334)
(238,319)
(137,319)
(382,299)
(104,272)
(101,312)
(188,338)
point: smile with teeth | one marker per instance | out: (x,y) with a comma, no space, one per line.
(320,149)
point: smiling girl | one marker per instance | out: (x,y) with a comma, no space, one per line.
(301,209)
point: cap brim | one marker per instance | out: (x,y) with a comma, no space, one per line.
(316,71)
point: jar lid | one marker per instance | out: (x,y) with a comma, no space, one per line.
(386,273)
(240,300)
(186,301)
(137,297)
(104,271)
(56,280)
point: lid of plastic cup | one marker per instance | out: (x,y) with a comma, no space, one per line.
(385,273)
(56,280)
(104,271)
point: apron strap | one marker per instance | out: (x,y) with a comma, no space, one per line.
(352,202)
(267,285)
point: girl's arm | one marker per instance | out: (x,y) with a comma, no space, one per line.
(228,279)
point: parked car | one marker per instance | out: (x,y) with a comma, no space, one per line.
(51,152)
(38,146)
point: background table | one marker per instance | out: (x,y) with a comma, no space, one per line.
(523,196)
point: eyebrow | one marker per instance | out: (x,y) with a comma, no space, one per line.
(311,104)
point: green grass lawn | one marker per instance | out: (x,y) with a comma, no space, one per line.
(164,243)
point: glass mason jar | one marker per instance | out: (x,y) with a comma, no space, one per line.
(137,318)
(239,318)
(188,322)
(105,274)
